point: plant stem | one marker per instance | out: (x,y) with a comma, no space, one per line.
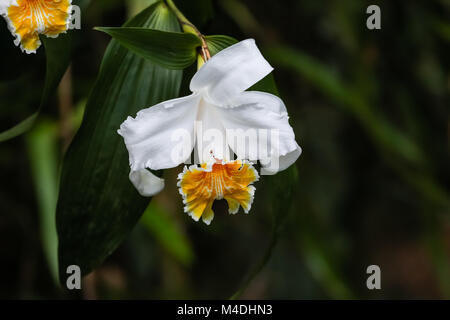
(189,27)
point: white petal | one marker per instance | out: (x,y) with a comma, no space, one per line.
(230,72)
(161,136)
(146,182)
(282,163)
(210,135)
(5,4)
(258,129)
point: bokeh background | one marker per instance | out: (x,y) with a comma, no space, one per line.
(370,109)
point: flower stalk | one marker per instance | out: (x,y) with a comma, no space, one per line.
(189,27)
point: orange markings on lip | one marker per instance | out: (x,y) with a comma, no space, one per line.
(33,17)
(231,181)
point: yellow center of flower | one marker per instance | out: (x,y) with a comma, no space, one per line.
(200,186)
(29,18)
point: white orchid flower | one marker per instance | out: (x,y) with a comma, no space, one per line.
(27,19)
(164,136)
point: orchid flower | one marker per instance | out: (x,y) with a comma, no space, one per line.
(164,136)
(27,19)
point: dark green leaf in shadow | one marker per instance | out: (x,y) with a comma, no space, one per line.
(434,240)
(58,54)
(198,12)
(172,50)
(442,28)
(162,227)
(19,128)
(98,206)
(322,263)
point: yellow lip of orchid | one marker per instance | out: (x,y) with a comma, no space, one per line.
(27,19)
(201,186)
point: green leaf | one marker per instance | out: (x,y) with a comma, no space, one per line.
(19,128)
(217,43)
(321,263)
(98,206)
(59,53)
(162,227)
(172,50)
(136,6)
(42,145)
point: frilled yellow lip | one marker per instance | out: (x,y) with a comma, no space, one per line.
(28,18)
(201,186)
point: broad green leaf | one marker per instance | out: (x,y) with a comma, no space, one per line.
(98,206)
(42,145)
(162,227)
(267,84)
(217,43)
(172,50)
(136,6)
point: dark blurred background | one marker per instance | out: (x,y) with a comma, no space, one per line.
(369,108)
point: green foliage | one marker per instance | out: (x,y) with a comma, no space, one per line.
(330,84)
(19,128)
(43,153)
(323,264)
(58,53)
(172,50)
(98,205)
(167,234)
(217,43)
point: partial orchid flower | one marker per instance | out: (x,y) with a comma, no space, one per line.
(27,19)
(216,121)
